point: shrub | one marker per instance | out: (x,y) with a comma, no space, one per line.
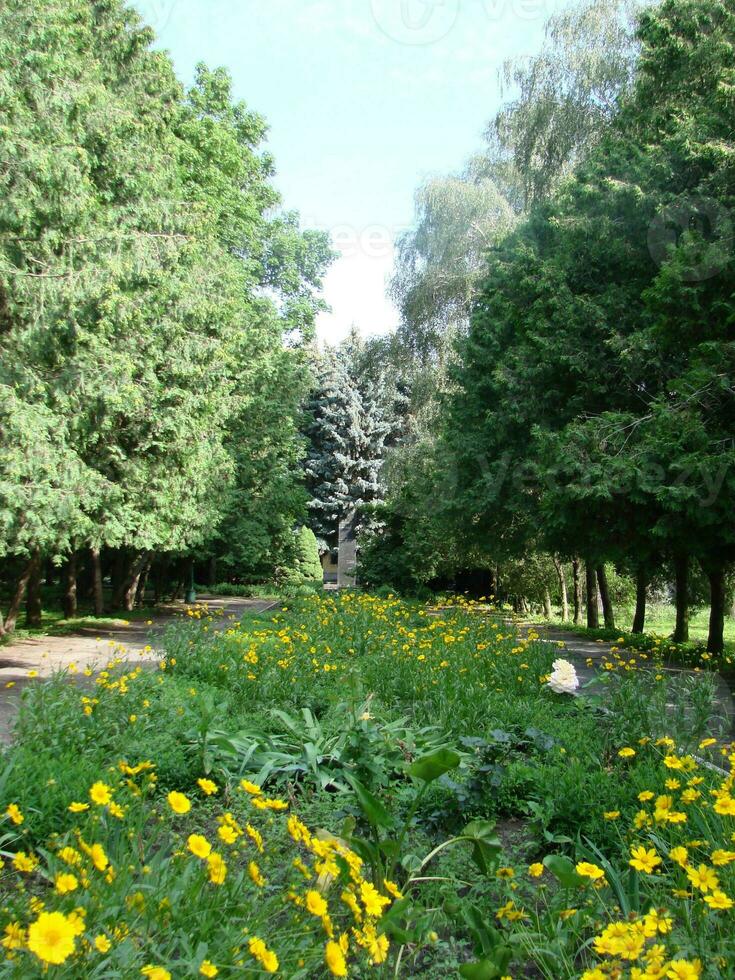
(307,566)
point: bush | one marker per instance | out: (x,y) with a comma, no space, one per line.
(307,566)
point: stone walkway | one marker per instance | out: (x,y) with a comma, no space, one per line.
(137,640)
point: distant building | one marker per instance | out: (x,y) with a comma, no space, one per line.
(329,564)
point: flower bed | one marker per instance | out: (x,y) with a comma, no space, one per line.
(328,791)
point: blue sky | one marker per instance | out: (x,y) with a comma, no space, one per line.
(364,99)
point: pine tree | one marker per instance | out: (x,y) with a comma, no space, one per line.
(346,429)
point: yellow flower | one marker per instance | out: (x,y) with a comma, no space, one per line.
(725,805)
(76,920)
(315,904)
(626,753)
(722,857)
(656,922)
(208,969)
(250,787)
(644,860)
(588,870)
(52,937)
(505,873)
(208,787)
(155,973)
(65,883)
(335,960)
(706,742)
(266,957)
(15,936)
(255,836)
(645,796)
(680,855)
(178,802)
(217,868)
(536,869)
(102,944)
(199,846)
(684,970)
(373,901)
(99,858)
(255,875)
(78,807)
(611,814)
(13,812)
(703,878)
(227,833)
(100,793)
(69,855)
(25,862)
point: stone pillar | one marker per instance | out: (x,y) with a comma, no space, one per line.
(347,553)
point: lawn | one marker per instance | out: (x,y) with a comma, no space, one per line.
(661,617)
(361,786)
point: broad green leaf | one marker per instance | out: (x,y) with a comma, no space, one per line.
(435,764)
(370,805)
(486,844)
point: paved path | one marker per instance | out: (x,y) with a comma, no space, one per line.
(91,648)
(580,650)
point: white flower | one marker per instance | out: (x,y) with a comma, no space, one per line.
(563,678)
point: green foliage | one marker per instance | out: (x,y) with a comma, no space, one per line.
(139,356)
(307,565)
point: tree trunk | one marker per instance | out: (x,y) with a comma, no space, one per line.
(563,588)
(715,639)
(99,602)
(212,572)
(118,565)
(143,585)
(70,587)
(607,606)
(577,577)
(641,584)
(127,585)
(547,604)
(33,602)
(593,614)
(17,601)
(180,583)
(681,574)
